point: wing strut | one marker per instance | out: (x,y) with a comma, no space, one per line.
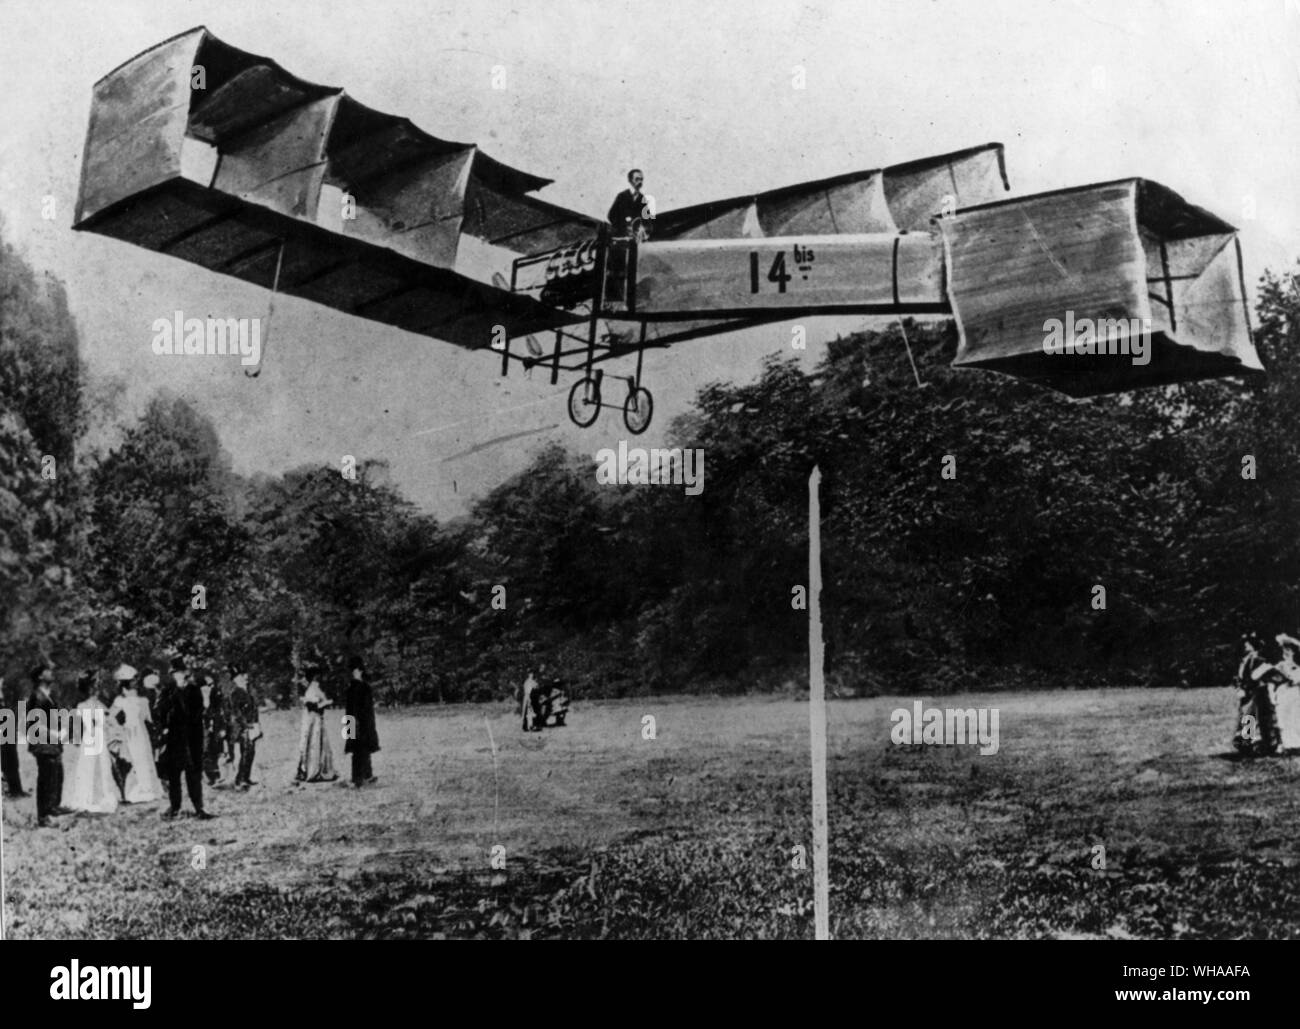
(253,373)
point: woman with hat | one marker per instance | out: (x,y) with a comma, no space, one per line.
(1286,692)
(115,730)
(131,712)
(1256,716)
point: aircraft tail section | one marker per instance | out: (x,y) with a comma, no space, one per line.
(1040,284)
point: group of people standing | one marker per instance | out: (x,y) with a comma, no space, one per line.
(1268,695)
(136,735)
(146,735)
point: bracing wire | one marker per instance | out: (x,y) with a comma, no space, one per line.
(253,373)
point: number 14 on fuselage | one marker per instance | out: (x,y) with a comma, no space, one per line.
(802,259)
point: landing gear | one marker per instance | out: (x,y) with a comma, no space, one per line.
(585,403)
(638,408)
(584,400)
(605,268)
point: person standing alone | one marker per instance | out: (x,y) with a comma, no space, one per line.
(633,212)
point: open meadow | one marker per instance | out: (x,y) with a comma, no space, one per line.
(692,834)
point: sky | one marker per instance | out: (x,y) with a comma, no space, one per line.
(1203,97)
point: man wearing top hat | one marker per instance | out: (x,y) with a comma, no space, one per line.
(45,744)
(363,739)
(180,719)
(215,727)
(244,728)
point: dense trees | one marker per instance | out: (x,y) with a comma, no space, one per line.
(40,419)
(967,526)
(164,545)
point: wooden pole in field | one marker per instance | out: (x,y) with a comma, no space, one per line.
(817,710)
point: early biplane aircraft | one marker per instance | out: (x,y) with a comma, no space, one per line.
(213,155)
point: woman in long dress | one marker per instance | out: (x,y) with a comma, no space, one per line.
(1286,693)
(91,786)
(131,712)
(315,759)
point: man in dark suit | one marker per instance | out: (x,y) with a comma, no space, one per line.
(45,744)
(362,738)
(180,718)
(244,726)
(215,726)
(9,749)
(632,213)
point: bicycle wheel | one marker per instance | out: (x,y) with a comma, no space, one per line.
(584,402)
(638,409)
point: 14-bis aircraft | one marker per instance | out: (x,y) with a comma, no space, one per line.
(216,156)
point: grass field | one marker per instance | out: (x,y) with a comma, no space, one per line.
(691,834)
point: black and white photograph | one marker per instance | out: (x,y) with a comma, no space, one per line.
(549,469)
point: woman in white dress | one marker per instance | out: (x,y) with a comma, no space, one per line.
(131,712)
(1286,694)
(91,786)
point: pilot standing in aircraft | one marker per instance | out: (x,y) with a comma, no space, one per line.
(633,212)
